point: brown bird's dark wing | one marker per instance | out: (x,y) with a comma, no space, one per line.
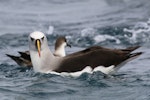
(20,61)
(25,55)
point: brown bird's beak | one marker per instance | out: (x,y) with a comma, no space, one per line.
(38,45)
(68,45)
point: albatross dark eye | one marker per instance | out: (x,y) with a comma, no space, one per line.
(42,38)
(32,39)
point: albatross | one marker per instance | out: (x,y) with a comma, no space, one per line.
(24,58)
(106,60)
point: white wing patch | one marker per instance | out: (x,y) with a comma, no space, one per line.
(105,70)
(88,69)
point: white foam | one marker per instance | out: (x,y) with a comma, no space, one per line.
(50,30)
(87,32)
(140,32)
(101,38)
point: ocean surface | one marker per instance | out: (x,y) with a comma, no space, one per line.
(108,23)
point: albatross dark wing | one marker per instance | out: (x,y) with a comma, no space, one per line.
(97,57)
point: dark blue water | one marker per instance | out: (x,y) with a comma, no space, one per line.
(109,23)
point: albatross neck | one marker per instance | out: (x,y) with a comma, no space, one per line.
(44,63)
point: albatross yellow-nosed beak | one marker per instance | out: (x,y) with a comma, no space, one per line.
(38,45)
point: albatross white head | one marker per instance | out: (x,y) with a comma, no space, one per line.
(37,41)
(42,58)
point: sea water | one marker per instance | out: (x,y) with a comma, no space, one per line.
(108,23)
